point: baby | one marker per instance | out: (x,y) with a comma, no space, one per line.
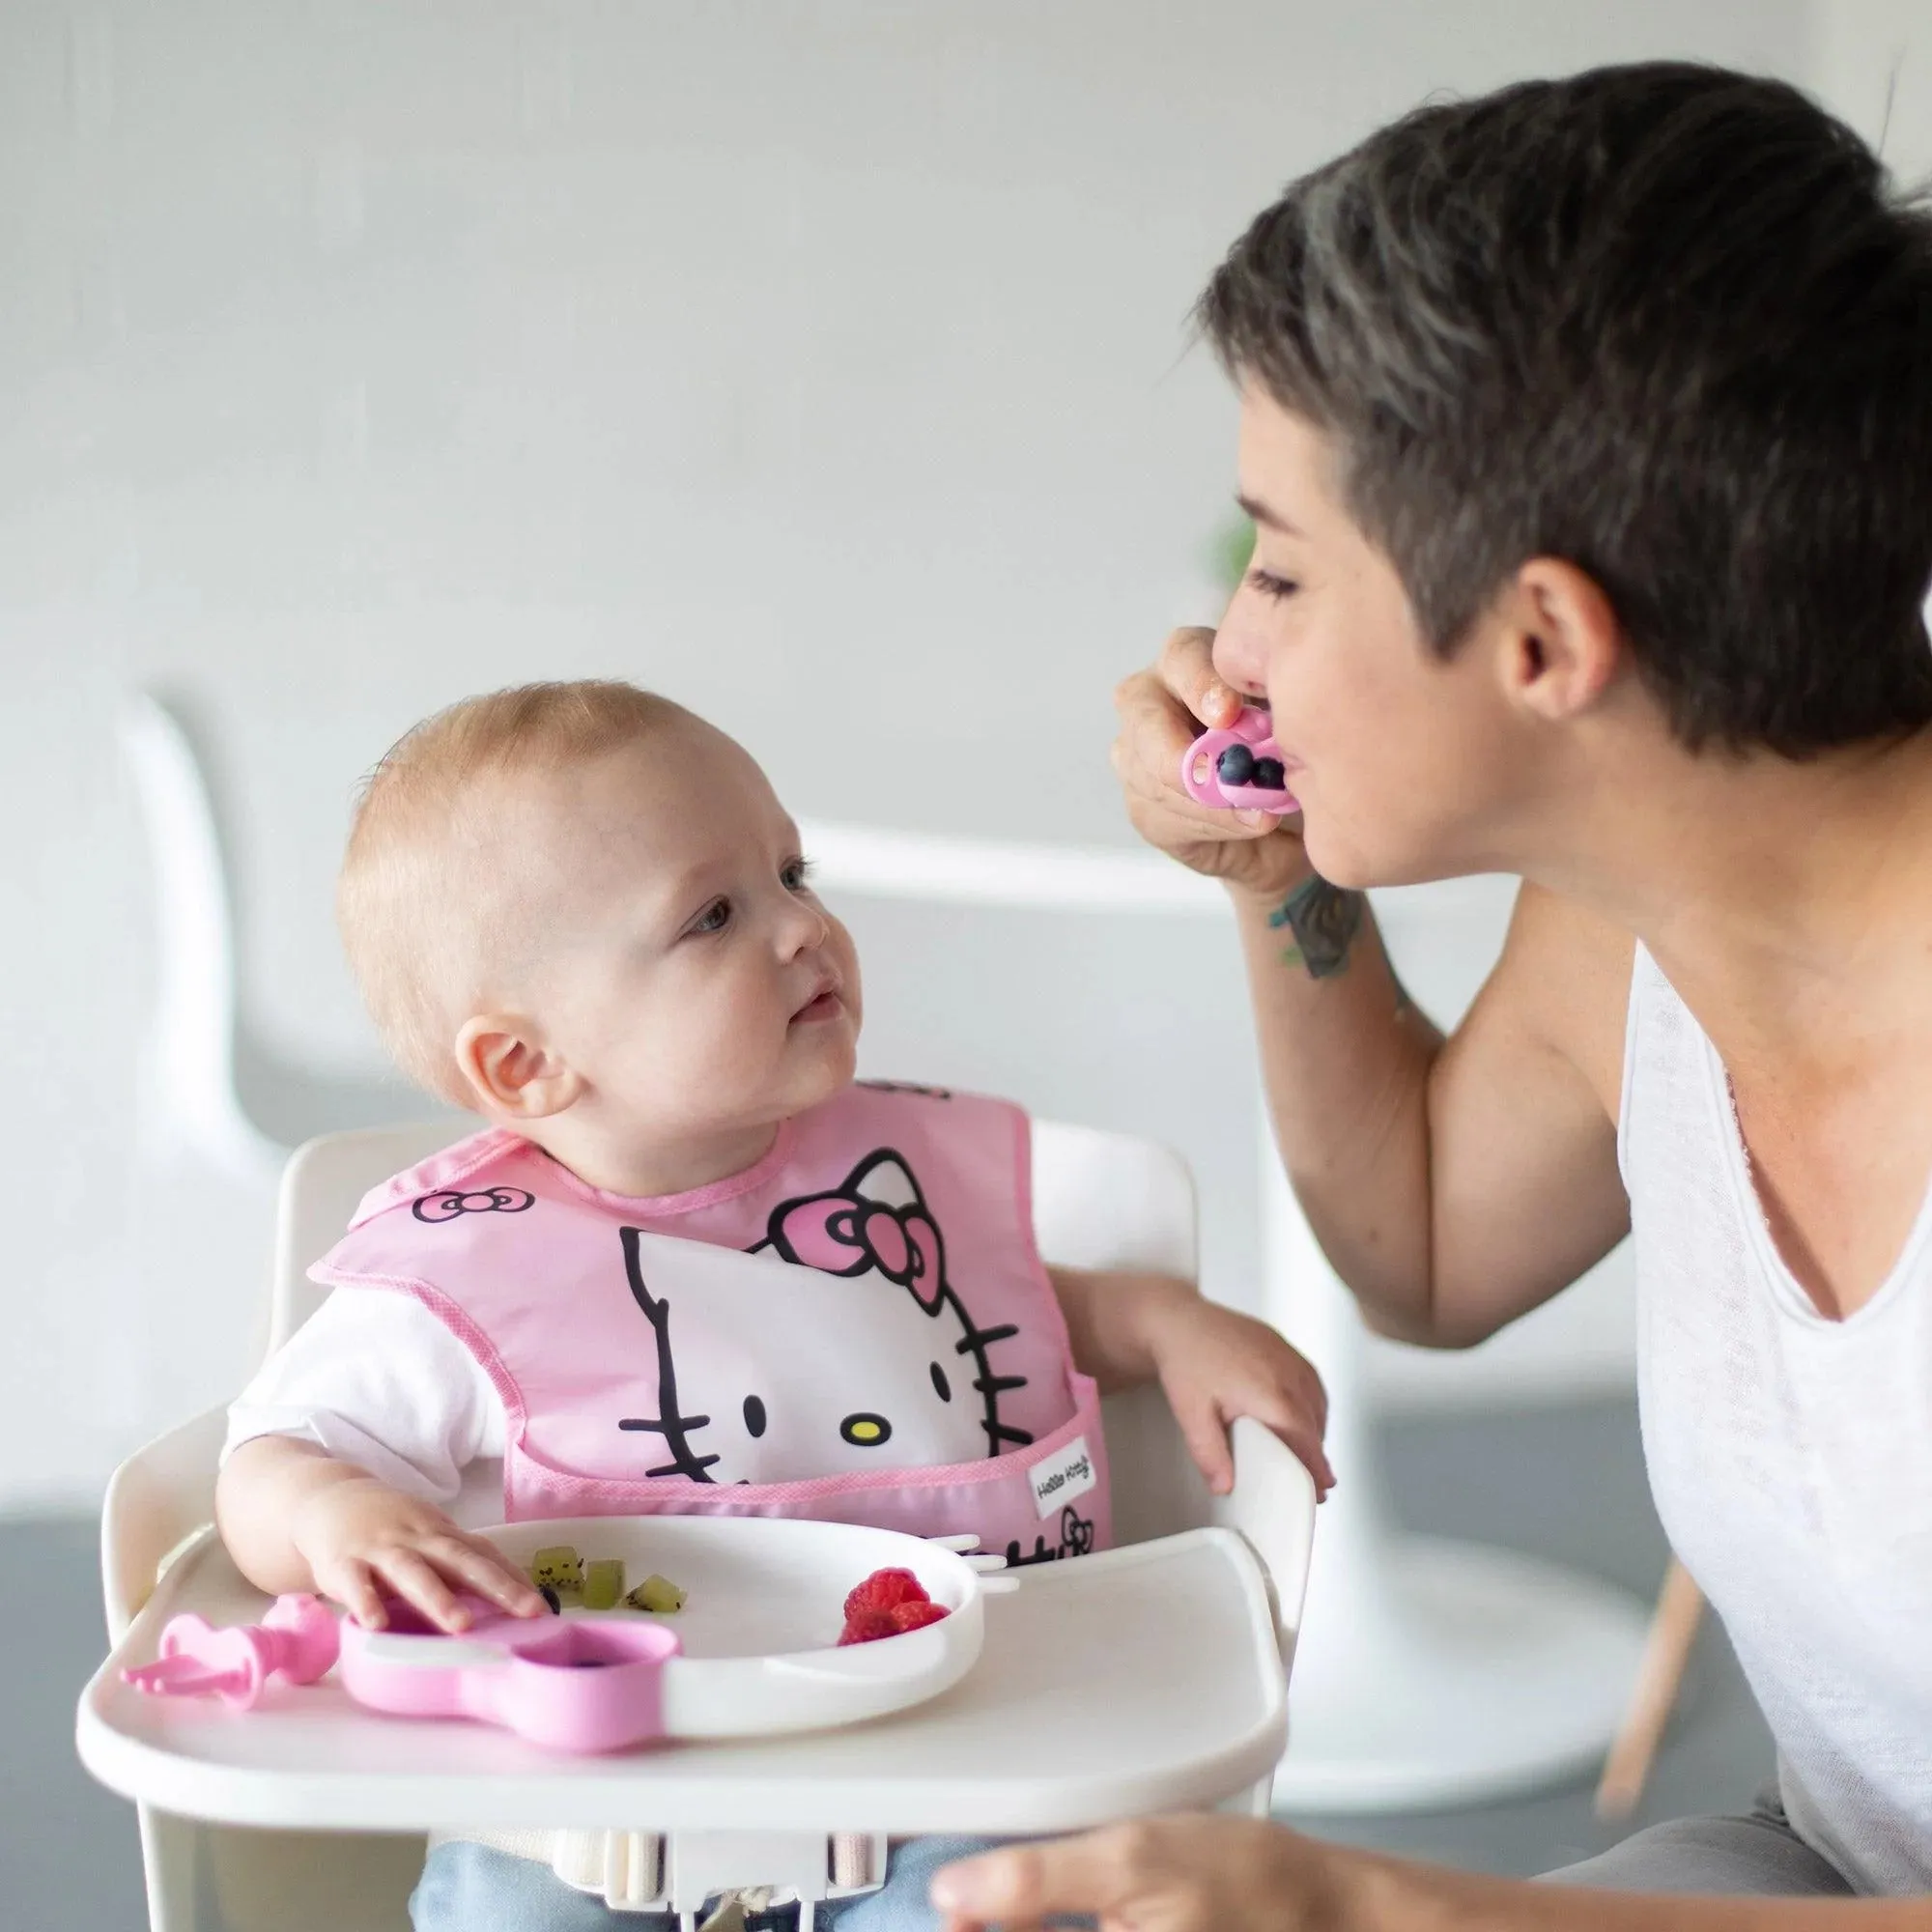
(689,1263)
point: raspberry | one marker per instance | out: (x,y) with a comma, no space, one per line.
(866,1627)
(884,1590)
(915,1616)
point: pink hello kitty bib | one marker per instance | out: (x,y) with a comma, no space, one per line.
(859,1328)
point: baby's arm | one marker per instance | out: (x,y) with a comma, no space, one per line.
(342,1450)
(295,1518)
(1212,1363)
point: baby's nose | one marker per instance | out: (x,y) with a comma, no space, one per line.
(804,930)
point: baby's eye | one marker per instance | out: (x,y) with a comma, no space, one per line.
(1272,586)
(715,917)
(795,874)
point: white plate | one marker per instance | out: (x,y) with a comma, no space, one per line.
(763,1607)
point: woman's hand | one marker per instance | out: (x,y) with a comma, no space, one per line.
(1162,712)
(1185,1874)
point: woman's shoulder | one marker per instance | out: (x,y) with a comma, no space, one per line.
(1564,984)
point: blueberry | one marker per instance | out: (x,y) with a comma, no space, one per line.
(1268,774)
(1236,766)
(550,1596)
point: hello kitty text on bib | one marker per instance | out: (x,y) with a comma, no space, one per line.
(859,1328)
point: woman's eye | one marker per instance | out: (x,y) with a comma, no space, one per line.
(795,874)
(715,917)
(1272,586)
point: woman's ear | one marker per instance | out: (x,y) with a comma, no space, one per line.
(509,1072)
(1561,644)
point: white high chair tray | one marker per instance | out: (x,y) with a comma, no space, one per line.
(1139,1680)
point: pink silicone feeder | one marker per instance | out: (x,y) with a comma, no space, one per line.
(591,1684)
(1237,767)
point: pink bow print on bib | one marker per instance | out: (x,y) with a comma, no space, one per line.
(846,1232)
(877,1220)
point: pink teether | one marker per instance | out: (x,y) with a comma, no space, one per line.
(1237,768)
(296,1641)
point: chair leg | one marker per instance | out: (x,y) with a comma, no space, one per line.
(1673,1627)
(170,1864)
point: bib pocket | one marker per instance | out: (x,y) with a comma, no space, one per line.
(1037,1503)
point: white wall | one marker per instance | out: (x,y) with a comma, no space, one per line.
(1872,61)
(820,364)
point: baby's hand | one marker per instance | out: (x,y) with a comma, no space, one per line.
(1215,1365)
(361,1538)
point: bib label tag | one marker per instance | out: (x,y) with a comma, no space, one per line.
(1062,1476)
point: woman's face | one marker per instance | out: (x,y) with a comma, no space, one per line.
(1402,760)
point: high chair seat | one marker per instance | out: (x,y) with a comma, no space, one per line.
(1151,1678)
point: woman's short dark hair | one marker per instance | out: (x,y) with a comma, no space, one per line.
(1670,324)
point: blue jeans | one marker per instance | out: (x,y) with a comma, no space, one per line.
(472,1888)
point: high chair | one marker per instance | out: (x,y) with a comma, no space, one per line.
(1101,1199)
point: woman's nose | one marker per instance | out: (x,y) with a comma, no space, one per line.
(1240,657)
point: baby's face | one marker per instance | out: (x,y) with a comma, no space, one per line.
(680,962)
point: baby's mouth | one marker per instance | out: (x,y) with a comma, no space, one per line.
(824,1005)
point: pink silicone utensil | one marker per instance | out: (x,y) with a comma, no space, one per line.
(295,1641)
(1237,767)
(591,1684)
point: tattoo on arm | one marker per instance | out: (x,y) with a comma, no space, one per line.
(1324,920)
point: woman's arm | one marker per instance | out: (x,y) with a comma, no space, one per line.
(1454,1184)
(1209,1874)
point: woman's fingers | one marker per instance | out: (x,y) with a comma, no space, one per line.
(1186,667)
(1020,1885)
(1162,711)
(1155,729)
(1166,817)
(1154,734)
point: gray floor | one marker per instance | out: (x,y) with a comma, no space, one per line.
(1566,1483)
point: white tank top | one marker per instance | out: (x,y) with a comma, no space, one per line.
(1790,1455)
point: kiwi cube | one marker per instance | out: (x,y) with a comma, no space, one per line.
(603,1583)
(657,1593)
(557,1568)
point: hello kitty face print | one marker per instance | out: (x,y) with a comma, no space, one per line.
(878,1219)
(836,1344)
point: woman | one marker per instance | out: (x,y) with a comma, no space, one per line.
(1587,431)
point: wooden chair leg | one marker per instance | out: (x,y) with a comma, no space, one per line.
(1673,1628)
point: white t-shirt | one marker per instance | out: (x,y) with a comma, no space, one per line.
(377,1381)
(1790,1455)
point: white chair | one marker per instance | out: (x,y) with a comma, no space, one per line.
(1101,1199)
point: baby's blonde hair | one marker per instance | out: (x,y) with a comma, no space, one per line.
(424,881)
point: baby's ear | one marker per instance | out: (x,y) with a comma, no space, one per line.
(509,1072)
